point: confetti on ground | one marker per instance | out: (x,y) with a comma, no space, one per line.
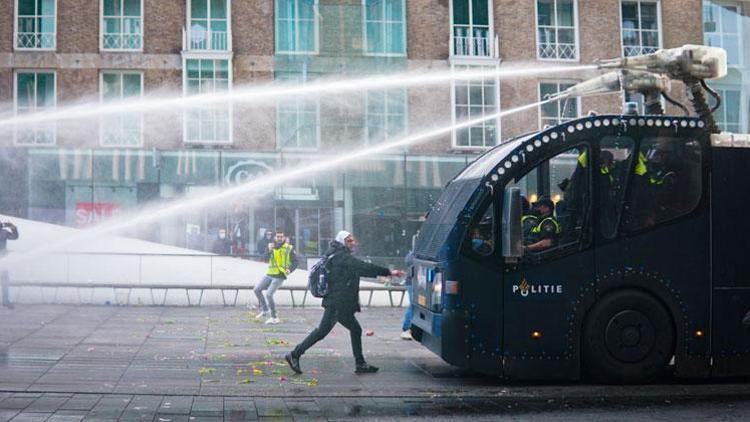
(276,342)
(370,333)
(257,371)
(206,371)
(169,322)
(90,349)
(246,381)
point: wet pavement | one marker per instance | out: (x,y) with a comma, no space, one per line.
(63,363)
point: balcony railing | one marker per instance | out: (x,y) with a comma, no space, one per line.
(39,40)
(206,40)
(637,50)
(557,51)
(122,41)
(476,42)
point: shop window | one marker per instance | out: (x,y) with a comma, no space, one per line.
(35,24)
(297,26)
(122,25)
(385,27)
(666,182)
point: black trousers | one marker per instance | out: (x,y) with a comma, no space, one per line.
(330,317)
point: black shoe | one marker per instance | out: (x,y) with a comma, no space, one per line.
(366,369)
(293,363)
(746,320)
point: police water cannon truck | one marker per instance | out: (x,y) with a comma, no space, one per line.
(610,246)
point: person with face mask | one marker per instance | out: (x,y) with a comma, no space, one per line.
(222,244)
(342,300)
(282,260)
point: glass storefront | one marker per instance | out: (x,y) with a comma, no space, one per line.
(383,199)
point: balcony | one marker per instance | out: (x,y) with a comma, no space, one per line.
(35,40)
(557,51)
(201,39)
(473,42)
(121,41)
(637,50)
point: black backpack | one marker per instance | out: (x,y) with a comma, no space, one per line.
(317,281)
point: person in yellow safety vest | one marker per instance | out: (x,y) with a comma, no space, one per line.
(547,232)
(282,260)
(529,220)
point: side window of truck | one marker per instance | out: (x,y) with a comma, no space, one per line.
(556,203)
(611,177)
(666,184)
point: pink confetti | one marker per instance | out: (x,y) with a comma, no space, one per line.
(282,378)
(370,333)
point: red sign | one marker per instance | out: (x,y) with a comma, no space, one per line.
(88,213)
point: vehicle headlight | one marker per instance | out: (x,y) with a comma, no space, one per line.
(437,291)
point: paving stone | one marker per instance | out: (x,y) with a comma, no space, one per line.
(31,417)
(303,408)
(207,406)
(109,407)
(142,408)
(15,402)
(172,418)
(238,409)
(81,402)
(7,414)
(47,404)
(176,405)
(268,407)
(65,418)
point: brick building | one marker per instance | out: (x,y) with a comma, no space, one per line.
(58,53)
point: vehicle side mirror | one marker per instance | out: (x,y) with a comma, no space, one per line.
(511,237)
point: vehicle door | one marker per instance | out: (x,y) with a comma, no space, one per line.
(540,290)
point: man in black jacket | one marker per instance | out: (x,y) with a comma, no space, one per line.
(342,301)
(8,231)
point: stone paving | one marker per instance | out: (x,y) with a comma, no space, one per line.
(64,363)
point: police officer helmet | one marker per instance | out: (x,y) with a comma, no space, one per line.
(545,200)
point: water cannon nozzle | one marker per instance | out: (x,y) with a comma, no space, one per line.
(682,63)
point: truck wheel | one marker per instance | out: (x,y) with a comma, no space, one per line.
(628,338)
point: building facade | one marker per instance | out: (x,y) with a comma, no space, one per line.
(58,54)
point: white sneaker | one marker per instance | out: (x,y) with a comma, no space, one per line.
(273,320)
(261,315)
(406,335)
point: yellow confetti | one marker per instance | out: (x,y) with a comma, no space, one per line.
(257,371)
(246,381)
(240,371)
(206,371)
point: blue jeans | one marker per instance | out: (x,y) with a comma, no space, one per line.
(266,301)
(406,324)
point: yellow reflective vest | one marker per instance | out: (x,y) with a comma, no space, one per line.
(280,261)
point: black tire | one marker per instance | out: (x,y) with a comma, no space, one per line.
(628,337)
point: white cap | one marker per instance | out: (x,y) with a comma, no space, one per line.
(342,235)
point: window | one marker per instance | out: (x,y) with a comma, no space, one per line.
(556,112)
(474,99)
(386,114)
(640,27)
(35,26)
(125,129)
(296,26)
(35,92)
(209,123)
(298,120)
(209,26)
(666,182)
(557,200)
(385,27)
(611,175)
(728,114)
(721,28)
(122,25)
(556,29)
(471,30)
(482,233)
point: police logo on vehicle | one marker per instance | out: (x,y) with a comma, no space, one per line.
(524,289)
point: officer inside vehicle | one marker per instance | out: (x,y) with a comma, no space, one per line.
(529,220)
(546,233)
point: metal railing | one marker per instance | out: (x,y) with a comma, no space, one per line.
(558,51)
(121,41)
(473,42)
(39,40)
(208,40)
(159,274)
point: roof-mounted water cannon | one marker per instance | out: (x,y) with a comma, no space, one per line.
(691,64)
(649,84)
